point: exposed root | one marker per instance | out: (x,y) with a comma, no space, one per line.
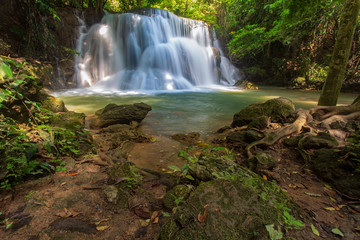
(272,136)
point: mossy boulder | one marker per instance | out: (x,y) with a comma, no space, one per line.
(246,85)
(321,140)
(238,208)
(261,160)
(54,104)
(340,174)
(176,196)
(69,120)
(120,114)
(278,110)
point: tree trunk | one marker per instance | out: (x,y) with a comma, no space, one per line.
(344,38)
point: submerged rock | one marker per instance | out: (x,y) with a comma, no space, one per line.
(120,114)
(277,109)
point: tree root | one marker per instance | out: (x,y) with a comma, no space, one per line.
(272,136)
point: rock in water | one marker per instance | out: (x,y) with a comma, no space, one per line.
(277,109)
(120,114)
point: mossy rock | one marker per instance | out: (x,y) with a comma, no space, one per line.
(246,85)
(54,104)
(70,120)
(260,123)
(176,196)
(322,140)
(278,109)
(340,174)
(243,138)
(261,161)
(238,208)
(120,114)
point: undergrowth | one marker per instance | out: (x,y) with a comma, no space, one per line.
(29,145)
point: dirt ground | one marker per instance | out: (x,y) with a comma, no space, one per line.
(73,205)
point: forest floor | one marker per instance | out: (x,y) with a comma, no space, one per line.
(75,205)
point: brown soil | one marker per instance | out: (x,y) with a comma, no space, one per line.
(37,206)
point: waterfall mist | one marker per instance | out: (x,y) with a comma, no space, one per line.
(151,50)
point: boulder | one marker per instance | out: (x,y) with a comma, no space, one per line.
(322,140)
(246,85)
(54,104)
(277,109)
(120,114)
(69,120)
(217,56)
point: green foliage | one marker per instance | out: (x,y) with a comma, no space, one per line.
(23,145)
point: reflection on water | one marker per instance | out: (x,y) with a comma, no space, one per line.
(181,112)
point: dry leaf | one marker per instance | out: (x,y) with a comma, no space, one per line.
(73,173)
(202,218)
(314,230)
(102,220)
(156,220)
(313,194)
(62,184)
(330,208)
(154,216)
(265,178)
(102,228)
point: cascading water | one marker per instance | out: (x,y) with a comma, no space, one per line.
(154,50)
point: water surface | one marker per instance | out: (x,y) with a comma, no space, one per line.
(202,111)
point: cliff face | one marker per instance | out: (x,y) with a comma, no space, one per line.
(30,32)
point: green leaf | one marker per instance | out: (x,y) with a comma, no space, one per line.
(5,71)
(314,230)
(175,168)
(337,232)
(274,234)
(190,177)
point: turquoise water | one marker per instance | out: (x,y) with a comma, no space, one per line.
(202,111)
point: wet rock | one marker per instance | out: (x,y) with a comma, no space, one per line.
(120,114)
(217,56)
(191,138)
(73,225)
(111,194)
(176,196)
(246,85)
(70,120)
(277,109)
(223,129)
(54,104)
(322,140)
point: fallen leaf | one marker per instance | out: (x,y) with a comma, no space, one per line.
(291,186)
(342,216)
(330,208)
(156,220)
(62,184)
(102,228)
(313,194)
(202,218)
(153,139)
(314,230)
(67,213)
(73,173)
(332,199)
(154,216)
(102,220)
(337,232)
(265,178)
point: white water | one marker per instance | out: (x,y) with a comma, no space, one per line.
(152,51)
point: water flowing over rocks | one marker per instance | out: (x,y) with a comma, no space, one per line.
(151,49)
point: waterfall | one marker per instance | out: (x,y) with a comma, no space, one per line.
(150,50)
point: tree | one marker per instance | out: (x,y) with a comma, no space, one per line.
(336,73)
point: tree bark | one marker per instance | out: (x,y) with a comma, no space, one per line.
(344,38)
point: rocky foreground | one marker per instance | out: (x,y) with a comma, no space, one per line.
(251,180)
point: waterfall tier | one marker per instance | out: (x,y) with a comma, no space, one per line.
(154,50)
